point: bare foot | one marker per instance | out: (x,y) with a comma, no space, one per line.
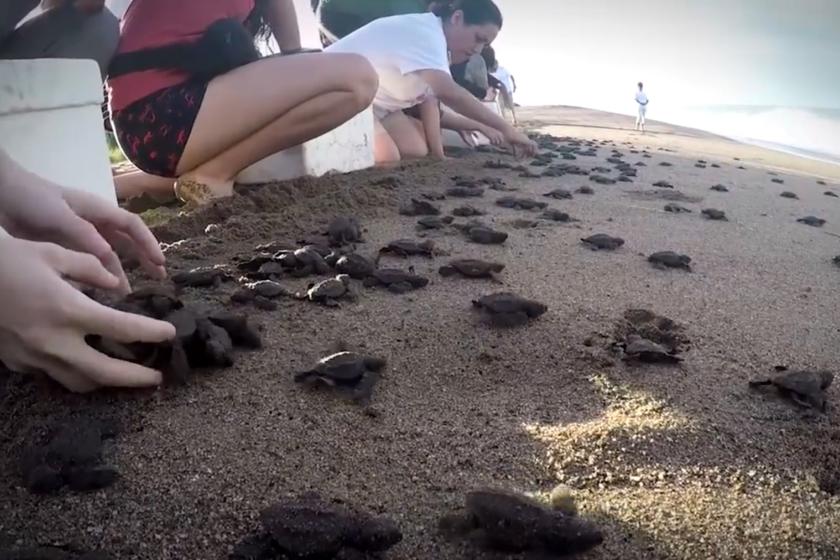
(197,191)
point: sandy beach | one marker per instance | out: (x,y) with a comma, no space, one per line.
(679,462)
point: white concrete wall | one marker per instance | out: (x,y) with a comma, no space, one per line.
(51,122)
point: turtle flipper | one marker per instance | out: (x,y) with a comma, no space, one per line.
(363,391)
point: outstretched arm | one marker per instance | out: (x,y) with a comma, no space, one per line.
(282,18)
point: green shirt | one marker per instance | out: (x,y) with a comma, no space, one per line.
(342,17)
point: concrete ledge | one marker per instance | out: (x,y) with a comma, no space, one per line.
(51,122)
(347,148)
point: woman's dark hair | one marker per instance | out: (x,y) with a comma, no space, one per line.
(489,56)
(476,12)
(257,22)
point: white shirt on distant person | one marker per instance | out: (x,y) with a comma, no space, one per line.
(641,99)
(398,47)
(505,77)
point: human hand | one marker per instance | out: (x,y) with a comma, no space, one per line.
(35,209)
(44,319)
(521,144)
(496,138)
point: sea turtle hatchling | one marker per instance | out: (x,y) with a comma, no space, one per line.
(663,185)
(343,230)
(419,208)
(434,222)
(409,247)
(602,241)
(350,372)
(511,523)
(465,192)
(639,349)
(467,212)
(719,188)
(472,268)
(355,265)
(831,194)
(483,235)
(806,388)
(812,221)
(329,291)
(506,309)
(396,280)
(559,194)
(788,194)
(676,208)
(714,214)
(555,215)
(585,189)
(670,259)
(601,179)
(519,203)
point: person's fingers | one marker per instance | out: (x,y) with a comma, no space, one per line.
(114,266)
(69,379)
(121,326)
(125,245)
(78,234)
(102,213)
(109,372)
(80,267)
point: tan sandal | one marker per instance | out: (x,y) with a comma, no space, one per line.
(195,192)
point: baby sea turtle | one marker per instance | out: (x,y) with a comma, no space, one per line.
(676,208)
(465,192)
(713,214)
(472,268)
(821,182)
(518,203)
(355,265)
(303,262)
(496,164)
(484,235)
(601,180)
(806,388)
(347,371)
(669,259)
(343,230)
(202,277)
(434,222)
(309,527)
(719,188)
(665,164)
(467,211)
(555,215)
(831,194)
(663,185)
(836,260)
(559,194)
(638,349)
(267,289)
(624,179)
(601,169)
(585,189)
(408,248)
(512,523)
(506,309)
(329,291)
(395,280)
(419,208)
(528,174)
(778,181)
(788,194)
(812,221)
(433,196)
(602,241)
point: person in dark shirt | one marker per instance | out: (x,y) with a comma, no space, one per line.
(78,29)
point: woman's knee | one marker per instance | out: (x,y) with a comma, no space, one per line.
(360,78)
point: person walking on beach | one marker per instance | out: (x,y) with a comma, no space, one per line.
(507,90)
(642,101)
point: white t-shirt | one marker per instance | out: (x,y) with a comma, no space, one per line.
(641,98)
(398,47)
(504,76)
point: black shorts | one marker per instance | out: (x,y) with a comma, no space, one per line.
(153,132)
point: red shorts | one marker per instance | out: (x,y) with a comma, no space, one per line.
(153,132)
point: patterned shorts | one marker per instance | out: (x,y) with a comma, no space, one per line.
(153,131)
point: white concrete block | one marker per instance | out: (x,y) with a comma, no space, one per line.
(347,148)
(453,140)
(51,122)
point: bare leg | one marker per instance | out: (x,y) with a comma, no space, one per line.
(274,109)
(408,134)
(384,149)
(135,183)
